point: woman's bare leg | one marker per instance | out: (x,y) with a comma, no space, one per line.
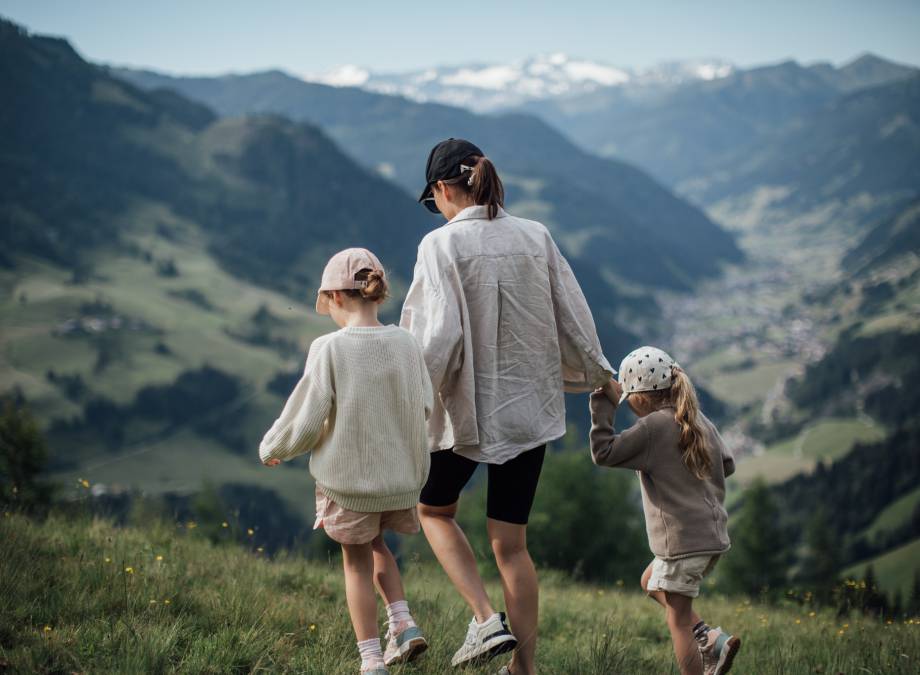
(453,552)
(519,581)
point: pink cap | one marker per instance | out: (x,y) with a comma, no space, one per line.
(340,273)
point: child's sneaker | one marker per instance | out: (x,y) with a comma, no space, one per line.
(404,644)
(718,655)
(485,641)
(376,670)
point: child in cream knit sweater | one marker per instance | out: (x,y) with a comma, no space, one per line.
(361,409)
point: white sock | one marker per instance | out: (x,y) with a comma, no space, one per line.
(371,653)
(398,612)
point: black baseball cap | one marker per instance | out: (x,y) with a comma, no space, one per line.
(443,163)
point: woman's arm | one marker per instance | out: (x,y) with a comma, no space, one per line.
(628,449)
(303,420)
(583,364)
(431,313)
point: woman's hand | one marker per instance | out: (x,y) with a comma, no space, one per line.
(272,462)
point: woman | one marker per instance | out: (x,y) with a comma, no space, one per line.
(504,328)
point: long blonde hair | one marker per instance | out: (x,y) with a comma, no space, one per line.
(681,395)
(687,414)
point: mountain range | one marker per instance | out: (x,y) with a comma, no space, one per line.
(161,237)
(490,87)
(599,208)
(158,254)
(691,131)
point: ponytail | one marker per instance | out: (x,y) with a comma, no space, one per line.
(480,181)
(376,289)
(692,441)
(486,187)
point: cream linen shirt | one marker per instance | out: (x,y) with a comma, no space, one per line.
(504,328)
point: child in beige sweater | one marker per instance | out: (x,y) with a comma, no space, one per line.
(361,409)
(682,465)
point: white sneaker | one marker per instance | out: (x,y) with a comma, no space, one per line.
(404,644)
(484,641)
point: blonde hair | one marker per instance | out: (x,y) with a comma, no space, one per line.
(681,395)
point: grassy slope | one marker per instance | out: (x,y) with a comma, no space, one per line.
(70,605)
(895,513)
(194,335)
(894,569)
(823,440)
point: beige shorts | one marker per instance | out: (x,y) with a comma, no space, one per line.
(682,576)
(355,527)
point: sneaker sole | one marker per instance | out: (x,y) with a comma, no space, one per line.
(728,655)
(502,645)
(409,651)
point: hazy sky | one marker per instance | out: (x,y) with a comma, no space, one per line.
(210,36)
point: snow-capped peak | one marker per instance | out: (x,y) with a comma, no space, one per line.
(491,86)
(342,76)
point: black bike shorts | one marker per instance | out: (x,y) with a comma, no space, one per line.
(511,486)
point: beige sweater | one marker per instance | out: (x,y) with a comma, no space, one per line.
(361,408)
(684,516)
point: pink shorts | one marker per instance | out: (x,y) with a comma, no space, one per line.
(355,527)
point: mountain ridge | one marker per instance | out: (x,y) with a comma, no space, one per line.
(543,172)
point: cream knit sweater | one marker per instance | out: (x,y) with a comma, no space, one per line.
(361,408)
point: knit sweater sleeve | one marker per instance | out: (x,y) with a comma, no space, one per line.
(628,449)
(302,423)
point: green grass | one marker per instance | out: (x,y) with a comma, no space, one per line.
(133,287)
(37,296)
(83,596)
(894,514)
(750,385)
(824,440)
(894,570)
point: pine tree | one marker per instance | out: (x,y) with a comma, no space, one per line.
(913,605)
(759,559)
(873,601)
(820,563)
(23,456)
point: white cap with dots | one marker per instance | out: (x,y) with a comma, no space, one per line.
(645,369)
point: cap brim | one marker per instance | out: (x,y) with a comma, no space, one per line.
(322,303)
(427,199)
(623,397)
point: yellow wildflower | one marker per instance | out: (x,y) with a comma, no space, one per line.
(47,629)
(159,558)
(129,570)
(250,531)
(225,524)
(191,524)
(312,626)
(260,549)
(108,560)
(798,621)
(153,602)
(166,601)
(83,482)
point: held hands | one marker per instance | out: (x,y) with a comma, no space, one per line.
(272,462)
(612,390)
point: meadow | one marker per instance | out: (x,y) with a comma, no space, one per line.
(81,595)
